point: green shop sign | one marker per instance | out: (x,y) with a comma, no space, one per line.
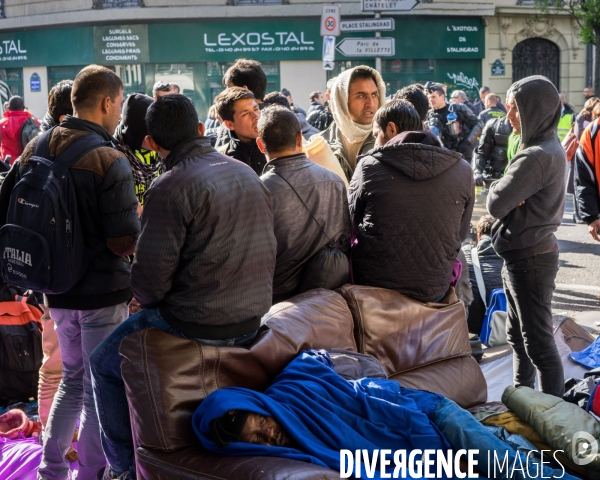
(121,44)
(227,41)
(56,47)
(429,38)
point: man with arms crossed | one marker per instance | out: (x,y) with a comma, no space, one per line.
(528,203)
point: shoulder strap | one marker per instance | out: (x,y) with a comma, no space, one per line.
(305,206)
(42,146)
(478,275)
(79,148)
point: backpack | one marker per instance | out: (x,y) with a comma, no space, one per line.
(20,350)
(493,330)
(29,131)
(41,243)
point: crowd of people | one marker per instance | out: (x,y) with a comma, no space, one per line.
(198,231)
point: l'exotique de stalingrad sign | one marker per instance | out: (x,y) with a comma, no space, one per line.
(121,44)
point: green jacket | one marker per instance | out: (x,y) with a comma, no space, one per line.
(556,421)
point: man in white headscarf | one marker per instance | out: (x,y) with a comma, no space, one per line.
(355,97)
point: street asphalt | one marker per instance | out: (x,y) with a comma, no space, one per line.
(577,293)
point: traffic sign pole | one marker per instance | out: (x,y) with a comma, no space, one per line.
(378,35)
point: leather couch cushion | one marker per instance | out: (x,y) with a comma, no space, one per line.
(166,377)
(194,463)
(417,342)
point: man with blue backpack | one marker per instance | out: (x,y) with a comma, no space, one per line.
(68,218)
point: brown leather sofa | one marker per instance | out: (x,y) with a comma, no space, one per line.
(166,377)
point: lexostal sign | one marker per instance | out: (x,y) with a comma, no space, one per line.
(256,39)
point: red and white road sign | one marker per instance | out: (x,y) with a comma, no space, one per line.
(330,20)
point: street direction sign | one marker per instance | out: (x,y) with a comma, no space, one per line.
(367,25)
(367,47)
(330,20)
(327,65)
(328,49)
(388,5)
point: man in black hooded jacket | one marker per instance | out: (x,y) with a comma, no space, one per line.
(410,205)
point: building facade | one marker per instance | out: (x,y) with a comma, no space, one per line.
(464,44)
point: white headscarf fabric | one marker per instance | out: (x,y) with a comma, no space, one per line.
(354,132)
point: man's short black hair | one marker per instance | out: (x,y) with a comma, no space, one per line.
(225,101)
(59,100)
(484,225)
(484,89)
(92,85)
(16,103)
(414,95)
(314,95)
(364,73)
(276,98)
(402,114)
(278,128)
(172,119)
(249,74)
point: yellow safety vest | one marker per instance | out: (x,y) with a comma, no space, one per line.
(564,125)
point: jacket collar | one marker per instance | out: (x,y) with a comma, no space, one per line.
(192,147)
(288,161)
(87,126)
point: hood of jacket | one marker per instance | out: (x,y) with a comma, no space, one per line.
(418,155)
(132,127)
(14,121)
(539,107)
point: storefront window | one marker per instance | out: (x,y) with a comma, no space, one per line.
(181,74)
(399,73)
(13,77)
(132,77)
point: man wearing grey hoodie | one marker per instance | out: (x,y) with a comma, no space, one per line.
(528,203)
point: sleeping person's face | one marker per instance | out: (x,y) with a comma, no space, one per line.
(264,431)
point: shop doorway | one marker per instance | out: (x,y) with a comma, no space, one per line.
(536,56)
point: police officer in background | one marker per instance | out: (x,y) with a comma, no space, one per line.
(492,109)
(491,156)
(456,125)
(567,117)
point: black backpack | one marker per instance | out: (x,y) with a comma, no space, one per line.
(29,131)
(42,245)
(21,352)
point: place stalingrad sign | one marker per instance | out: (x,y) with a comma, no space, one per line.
(367,25)
(367,47)
(388,5)
(121,44)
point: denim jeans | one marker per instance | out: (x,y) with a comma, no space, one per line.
(109,389)
(529,285)
(463,431)
(79,332)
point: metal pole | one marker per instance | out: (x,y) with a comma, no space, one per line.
(377,35)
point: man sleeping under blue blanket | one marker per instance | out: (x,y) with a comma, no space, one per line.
(367,428)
